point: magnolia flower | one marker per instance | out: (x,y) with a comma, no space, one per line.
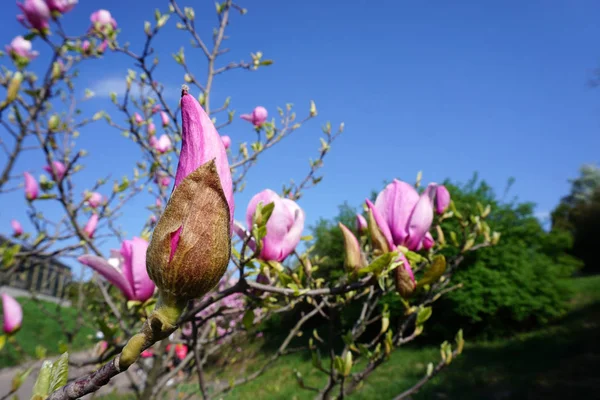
(165,118)
(36,12)
(17,228)
(138,118)
(353,257)
(21,47)
(226,141)
(158,202)
(191,244)
(162,144)
(284,227)
(31,187)
(442,199)
(90,227)
(258,116)
(86,47)
(102,47)
(403,215)
(126,269)
(101,19)
(361,223)
(95,199)
(162,179)
(181,350)
(155,109)
(61,6)
(57,170)
(151,129)
(13,314)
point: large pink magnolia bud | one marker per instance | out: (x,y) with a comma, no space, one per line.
(17,228)
(191,244)
(284,227)
(31,187)
(258,117)
(12,314)
(90,227)
(21,48)
(36,12)
(57,170)
(61,6)
(126,269)
(101,19)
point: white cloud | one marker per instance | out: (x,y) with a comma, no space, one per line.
(105,86)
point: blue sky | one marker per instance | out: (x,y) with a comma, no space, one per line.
(448,88)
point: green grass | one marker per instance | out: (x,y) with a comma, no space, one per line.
(557,362)
(45,324)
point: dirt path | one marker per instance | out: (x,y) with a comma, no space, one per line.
(119,384)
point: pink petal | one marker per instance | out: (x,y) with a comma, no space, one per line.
(110,273)
(421,218)
(395,204)
(134,268)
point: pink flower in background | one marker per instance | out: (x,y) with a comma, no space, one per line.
(151,129)
(126,269)
(101,19)
(226,141)
(61,6)
(258,117)
(164,118)
(427,242)
(284,228)
(90,227)
(21,47)
(155,108)
(31,187)
(153,219)
(260,334)
(162,144)
(442,199)
(162,179)
(12,314)
(86,47)
(57,170)
(147,353)
(17,228)
(102,47)
(36,12)
(403,215)
(361,223)
(158,202)
(95,200)
(138,118)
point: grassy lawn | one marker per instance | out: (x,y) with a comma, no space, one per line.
(557,362)
(44,324)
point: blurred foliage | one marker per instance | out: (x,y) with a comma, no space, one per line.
(578,214)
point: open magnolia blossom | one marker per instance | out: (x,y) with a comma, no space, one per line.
(284,227)
(21,47)
(126,269)
(12,314)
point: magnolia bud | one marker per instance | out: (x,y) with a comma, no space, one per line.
(404,278)
(199,208)
(353,259)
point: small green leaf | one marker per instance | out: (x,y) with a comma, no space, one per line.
(19,378)
(2,341)
(423,315)
(433,273)
(59,373)
(42,383)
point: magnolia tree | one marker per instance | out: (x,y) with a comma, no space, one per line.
(194,282)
